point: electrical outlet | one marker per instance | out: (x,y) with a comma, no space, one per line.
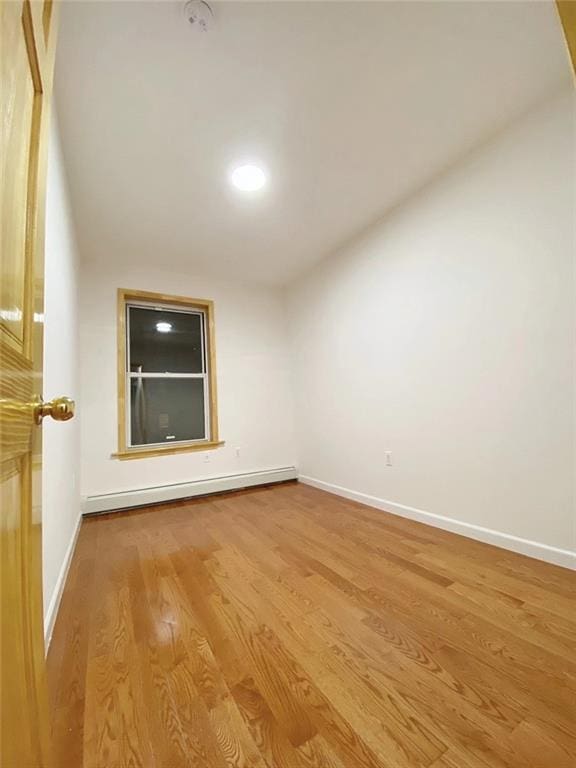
(388,458)
(206,458)
(237,453)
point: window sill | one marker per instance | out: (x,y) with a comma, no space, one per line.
(144,453)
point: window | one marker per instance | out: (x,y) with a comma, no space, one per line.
(166,375)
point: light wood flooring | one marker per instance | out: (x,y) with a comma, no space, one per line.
(286,627)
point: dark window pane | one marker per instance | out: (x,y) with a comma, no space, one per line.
(166,410)
(175,348)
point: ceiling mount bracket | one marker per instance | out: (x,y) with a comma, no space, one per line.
(199,15)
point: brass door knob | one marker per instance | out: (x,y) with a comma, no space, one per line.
(60,409)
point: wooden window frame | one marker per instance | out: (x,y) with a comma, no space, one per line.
(206,306)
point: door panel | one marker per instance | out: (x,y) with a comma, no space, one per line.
(18,110)
(27,56)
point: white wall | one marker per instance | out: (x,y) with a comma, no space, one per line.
(447,336)
(254,398)
(61,441)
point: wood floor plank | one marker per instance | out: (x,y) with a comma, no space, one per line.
(233,737)
(317,753)
(284,627)
(536,747)
(269,737)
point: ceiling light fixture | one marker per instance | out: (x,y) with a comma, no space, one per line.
(248,178)
(164,327)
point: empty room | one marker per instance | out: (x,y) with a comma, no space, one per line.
(288,384)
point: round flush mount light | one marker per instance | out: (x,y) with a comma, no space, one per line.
(164,327)
(248,178)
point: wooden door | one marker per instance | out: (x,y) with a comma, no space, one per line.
(567,11)
(27,32)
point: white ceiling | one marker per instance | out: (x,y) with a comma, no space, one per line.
(351,107)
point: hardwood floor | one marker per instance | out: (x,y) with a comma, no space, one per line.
(285,626)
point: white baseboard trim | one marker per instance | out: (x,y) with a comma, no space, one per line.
(554,555)
(54,605)
(108,502)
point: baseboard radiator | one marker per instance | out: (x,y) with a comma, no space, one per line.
(110,502)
